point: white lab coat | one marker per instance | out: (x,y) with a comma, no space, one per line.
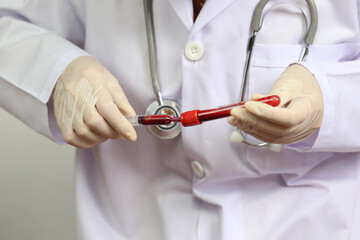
(148,189)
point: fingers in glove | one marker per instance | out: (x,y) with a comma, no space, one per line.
(98,124)
(109,110)
(252,130)
(247,119)
(119,97)
(72,138)
(292,115)
(268,132)
(257,96)
(82,130)
(242,116)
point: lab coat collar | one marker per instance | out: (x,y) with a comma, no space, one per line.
(211,9)
(184,10)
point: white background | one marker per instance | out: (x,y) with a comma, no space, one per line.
(36,184)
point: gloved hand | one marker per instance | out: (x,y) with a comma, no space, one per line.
(298,116)
(90,105)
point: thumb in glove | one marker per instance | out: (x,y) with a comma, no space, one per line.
(297,117)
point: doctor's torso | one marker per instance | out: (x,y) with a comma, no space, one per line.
(200,185)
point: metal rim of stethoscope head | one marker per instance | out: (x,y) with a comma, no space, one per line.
(169,107)
(256,24)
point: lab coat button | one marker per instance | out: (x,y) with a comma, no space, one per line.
(197,169)
(194,51)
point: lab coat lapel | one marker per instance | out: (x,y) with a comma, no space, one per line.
(184,10)
(211,9)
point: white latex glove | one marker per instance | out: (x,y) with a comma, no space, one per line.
(90,105)
(298,116)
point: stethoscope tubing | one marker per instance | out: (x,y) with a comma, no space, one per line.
(150,33)
(310,36)
(256,24)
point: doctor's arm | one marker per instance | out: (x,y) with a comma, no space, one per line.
(325,117)
(37,49)
(327,113)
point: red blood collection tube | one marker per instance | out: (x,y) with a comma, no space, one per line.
(155,119)
(196,117)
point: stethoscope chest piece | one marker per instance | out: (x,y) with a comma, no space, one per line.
(169,107)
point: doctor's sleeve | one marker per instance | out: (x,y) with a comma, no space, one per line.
(38,39)
(340,84)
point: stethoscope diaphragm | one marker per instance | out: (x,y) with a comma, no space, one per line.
(171,108)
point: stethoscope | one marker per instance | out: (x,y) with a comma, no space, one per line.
(172,108)
(159,106)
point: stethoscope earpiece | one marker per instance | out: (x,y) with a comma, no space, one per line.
(275,147)
(236,137)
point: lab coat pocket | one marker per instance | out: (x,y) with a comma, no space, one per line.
(286,162)
(269,61)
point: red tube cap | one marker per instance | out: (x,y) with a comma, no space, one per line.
(190,118)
